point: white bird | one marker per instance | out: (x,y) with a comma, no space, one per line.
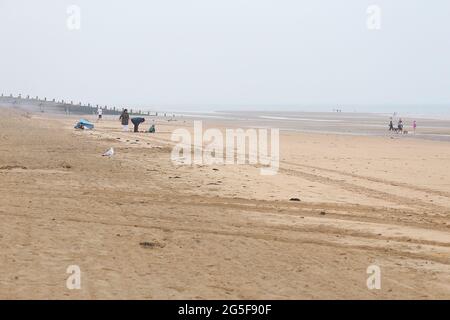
(109,153)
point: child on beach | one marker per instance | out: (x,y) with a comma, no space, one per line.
(125,118)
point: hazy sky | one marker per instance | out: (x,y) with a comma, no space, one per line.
(227,52)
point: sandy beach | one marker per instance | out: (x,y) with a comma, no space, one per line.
(141,227)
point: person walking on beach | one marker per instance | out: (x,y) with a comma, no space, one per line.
(125,118)
(136,122)
(391,125)
(414,126)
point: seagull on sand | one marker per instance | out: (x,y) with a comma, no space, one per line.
(109,153)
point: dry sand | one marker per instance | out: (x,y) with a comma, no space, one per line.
(228,233)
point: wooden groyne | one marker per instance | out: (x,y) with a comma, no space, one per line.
(44,105)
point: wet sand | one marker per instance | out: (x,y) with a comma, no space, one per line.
(344,123)
(141,227)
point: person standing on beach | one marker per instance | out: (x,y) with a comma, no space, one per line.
(125,118)
(414,126)
(400,125)
(100,113)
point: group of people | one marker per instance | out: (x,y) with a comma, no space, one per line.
(400,126)
(125,120)
(136,121)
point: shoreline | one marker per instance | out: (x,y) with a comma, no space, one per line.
(424,116)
